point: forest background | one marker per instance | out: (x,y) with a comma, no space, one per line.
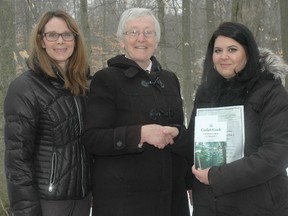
(186,27)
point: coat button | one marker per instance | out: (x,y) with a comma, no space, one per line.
(145,83)
(119,144)
(154,114)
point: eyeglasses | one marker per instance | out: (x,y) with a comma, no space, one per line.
(53,36)
(136,33)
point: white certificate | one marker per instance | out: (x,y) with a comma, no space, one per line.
(208,149)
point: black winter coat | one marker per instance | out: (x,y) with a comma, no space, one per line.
(256,185)
(129,180)
(44,157)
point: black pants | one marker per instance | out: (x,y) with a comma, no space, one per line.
(66,207)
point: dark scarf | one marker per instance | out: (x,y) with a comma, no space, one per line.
(230,92)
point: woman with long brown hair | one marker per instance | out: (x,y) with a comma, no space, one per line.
(47,167)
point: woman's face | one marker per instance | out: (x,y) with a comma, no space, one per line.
(60,50)
(229,57)
(139,41)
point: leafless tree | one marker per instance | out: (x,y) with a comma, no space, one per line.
(8,72)
(284,31)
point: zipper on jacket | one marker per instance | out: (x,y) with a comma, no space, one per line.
(79,115)
(53,171)
(82,171)
(81,149)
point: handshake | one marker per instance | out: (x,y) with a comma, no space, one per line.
(157,135)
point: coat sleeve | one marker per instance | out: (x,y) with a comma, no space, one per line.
(101,134)
(269,157)
(20,122)
(179,147)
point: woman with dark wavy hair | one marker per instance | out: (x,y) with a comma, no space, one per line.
(236,73)
(47,167)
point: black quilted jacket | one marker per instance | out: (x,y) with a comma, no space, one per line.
(44,158)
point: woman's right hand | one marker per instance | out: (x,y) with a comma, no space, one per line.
(157,135)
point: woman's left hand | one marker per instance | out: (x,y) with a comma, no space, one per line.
(201,175)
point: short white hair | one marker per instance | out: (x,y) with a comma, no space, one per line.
(135,13)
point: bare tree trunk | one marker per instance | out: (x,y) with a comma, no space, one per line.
(284,31)
(109,26)
(85,26)
(251,13)
(7,68)
(7,45)
(236,9)
(186,57)
(104,33)
(27,26)
(211,26)
(162,44)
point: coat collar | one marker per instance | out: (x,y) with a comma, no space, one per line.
(131,68)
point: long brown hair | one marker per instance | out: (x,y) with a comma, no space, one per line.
(75,77)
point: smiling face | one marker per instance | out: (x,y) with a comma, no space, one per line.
(58,50)
(229,57)
(138,47)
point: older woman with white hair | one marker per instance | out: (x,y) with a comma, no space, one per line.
(133,120)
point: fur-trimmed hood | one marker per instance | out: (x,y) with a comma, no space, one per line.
(273,63)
